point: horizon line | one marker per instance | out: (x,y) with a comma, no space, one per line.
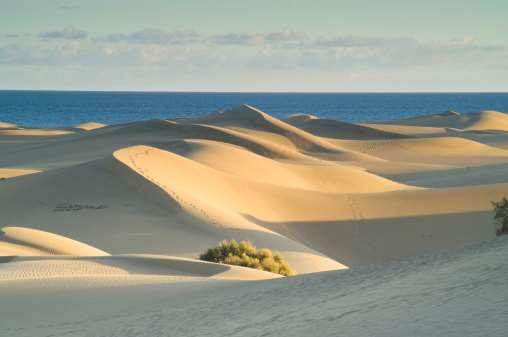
(253,92)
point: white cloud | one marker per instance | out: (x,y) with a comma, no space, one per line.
(153,36)
(287,50)
(237,39)
(286,35)
(157,36)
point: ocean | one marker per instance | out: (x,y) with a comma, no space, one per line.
(67,108)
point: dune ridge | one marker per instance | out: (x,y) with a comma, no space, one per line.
(113,219)
(323,201)
(336,129)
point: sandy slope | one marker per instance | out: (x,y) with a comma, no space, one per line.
(108,205)
(121,270)
(437,150)
(155,194)
(220,176)
(32,242)
(455,294)
(483,121)
(336,129)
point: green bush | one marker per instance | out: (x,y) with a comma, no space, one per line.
(501,216)
(245,254)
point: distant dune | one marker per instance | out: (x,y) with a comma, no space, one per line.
(90,126)
(115,216)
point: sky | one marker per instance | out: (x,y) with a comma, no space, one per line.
(244,45)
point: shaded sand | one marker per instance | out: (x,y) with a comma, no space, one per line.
(336,129)
(26,241)
(30,254)
(327,195)
(121,270)
(408,130)
(320,176)
(437,150)
(483,121)
(455,294)
(252,121)
(134,214)
(323,202)
(451,121)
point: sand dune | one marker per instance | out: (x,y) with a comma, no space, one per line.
(155,194)
(219,176)
(442,293)
(90,126)
(437,150)
(408,130)
(123,269)
(30,254)
(26,241)
(335,129)
(133,214)
(249,117)
(482,121)
(318,176)
(99,143)
(252,121)
(469,175)
(369,228)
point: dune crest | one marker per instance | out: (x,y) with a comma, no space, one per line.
(323,193)
(472,121)
(337,129)
(90,126)
(116,217)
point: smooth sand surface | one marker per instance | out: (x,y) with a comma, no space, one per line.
(25,241)
(462,293)
(117,215)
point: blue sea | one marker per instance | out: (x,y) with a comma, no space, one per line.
(66,108)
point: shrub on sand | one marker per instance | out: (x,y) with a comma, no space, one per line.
(245,254)
(501,216)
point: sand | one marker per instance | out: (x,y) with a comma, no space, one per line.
(112,218)
(90,126)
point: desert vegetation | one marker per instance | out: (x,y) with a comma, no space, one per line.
(245,254)
(501,216)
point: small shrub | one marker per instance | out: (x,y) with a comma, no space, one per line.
(245,254)
(501,216)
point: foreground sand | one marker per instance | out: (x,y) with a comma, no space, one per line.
(116,216)
(462,293)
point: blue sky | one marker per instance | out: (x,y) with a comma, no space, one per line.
(277,45)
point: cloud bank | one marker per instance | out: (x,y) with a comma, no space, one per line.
(288,54)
